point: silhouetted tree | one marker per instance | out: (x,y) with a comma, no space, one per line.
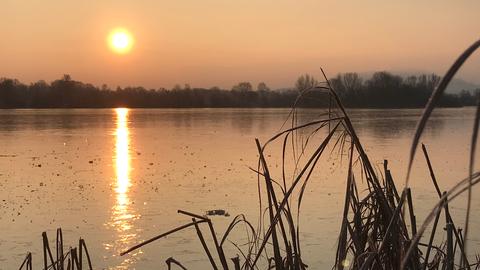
(242,87)
(262,87)
(305,82)
(349,86)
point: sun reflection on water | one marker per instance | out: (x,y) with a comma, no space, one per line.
(123,214)
(122,159)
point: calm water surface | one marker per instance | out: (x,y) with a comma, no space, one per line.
(118,176)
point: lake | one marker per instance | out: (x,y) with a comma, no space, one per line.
(117,177)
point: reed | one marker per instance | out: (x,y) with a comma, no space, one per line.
(72,260)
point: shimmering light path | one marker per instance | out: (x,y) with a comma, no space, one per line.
(123,215)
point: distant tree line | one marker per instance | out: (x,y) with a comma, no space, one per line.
(385,90)
(382,90)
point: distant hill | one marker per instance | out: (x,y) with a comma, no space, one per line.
(457,85)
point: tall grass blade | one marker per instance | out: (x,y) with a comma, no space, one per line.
(433,101)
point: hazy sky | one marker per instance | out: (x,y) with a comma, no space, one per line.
(221,42)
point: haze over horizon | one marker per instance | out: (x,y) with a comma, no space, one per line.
(219,43)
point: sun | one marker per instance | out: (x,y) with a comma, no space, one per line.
(120,40)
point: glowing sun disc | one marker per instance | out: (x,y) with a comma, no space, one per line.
(120,41)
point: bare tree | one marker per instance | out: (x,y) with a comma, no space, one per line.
(305,82)
(243,87)
(262,87)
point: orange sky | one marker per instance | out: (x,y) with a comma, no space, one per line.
(221,42)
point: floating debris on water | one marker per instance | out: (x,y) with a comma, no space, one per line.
(217,212)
